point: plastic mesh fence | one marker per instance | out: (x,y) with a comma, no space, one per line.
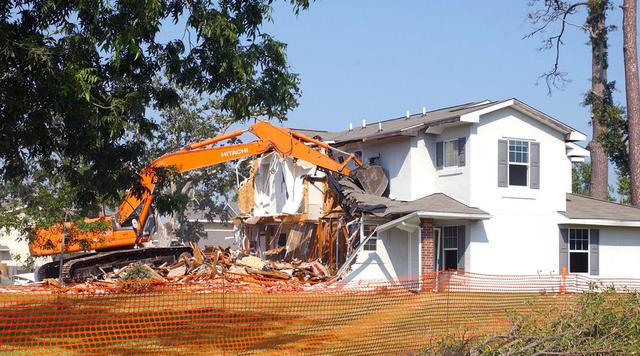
(238,314)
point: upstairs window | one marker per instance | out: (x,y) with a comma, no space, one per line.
(450,153)
(518,162)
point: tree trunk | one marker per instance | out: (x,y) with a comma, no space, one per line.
(598,35)
(629,31)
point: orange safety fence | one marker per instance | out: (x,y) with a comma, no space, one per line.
(240,314)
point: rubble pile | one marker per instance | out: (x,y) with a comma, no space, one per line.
(215,261)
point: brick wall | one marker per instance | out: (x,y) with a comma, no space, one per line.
(428,253)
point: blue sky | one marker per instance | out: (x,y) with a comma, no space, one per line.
(374,60)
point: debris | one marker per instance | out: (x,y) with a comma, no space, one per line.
(252,261)
(217,261)
(180,270)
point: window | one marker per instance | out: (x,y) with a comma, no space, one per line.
(451,153)
(450,247)
(578,250)
(372,243)
(518,162)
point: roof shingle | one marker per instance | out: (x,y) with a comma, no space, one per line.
(580,207)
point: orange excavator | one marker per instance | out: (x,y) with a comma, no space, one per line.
(119,241)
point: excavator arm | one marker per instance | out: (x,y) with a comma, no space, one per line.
(183,160)
(194,156)
(200,155)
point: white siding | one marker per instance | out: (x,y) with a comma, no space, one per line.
(395,158)
(396,258)
(453,181)
(619,252)
(522,235)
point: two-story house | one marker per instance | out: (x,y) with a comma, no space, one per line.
(485,187)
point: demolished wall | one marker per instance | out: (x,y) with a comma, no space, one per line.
(289,213)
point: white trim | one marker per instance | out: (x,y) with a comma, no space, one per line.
(527,164)
(403,224)
(587,251)
(570,134)
(437,245)
(574,150)
(450,171)
(436,130)
(576,136)
(474,117)
(434,214)
(600,222)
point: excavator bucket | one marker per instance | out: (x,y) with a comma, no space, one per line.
(372,179)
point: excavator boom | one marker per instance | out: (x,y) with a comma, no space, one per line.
(124,234)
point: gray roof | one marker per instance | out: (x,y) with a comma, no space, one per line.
(410,126)
(358,200)
(581,207)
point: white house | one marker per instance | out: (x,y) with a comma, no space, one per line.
(219,229)
(484,187)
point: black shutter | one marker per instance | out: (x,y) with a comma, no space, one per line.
(564,249)
(462,141)
(535,165)
(439,154)
(503,162)
(594,252)
(461,247)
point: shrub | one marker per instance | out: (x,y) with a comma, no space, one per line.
(598,321)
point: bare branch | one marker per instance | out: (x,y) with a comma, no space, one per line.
(556,11)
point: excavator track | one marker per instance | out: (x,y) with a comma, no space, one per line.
(81,268)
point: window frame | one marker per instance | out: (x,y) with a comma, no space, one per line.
(370,245)
(455,149)
(527,164)
(570,250)
(443,237)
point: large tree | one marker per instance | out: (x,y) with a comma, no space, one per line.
(599,97)
(204,191)
(77,86)
(630,33)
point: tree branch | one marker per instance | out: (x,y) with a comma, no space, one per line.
(556,11)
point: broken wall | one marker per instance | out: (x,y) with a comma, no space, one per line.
(280,185)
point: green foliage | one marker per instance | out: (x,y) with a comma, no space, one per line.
(28,263)
(615,135)
(77,84)
(136,279)
(624,189)
(137,272)
(601,320)
(581,178)
(92,226)
(204,190)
